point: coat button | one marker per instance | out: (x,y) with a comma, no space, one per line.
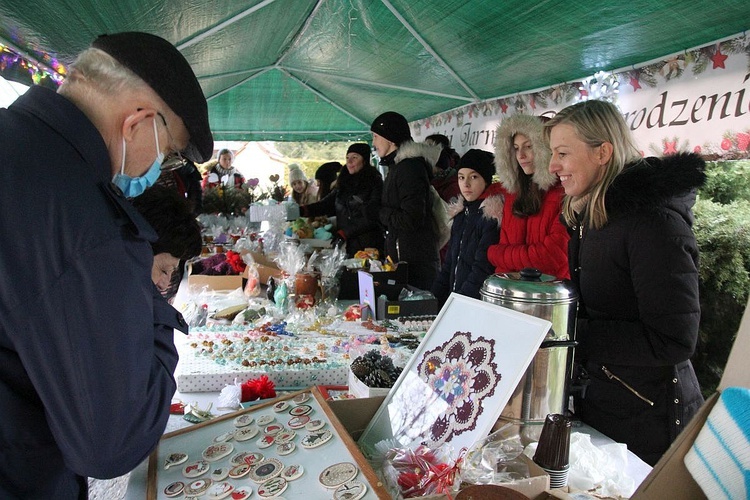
(674,380)
(677,421)
(676,401)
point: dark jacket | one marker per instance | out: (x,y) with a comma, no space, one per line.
(639,311)
(86,341)
(474,229)
(406,212)
(355,201)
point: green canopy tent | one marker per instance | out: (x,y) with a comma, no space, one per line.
(295,70)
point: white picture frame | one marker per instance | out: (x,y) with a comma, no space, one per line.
(457,383)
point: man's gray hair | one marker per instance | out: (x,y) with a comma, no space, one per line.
(101,72)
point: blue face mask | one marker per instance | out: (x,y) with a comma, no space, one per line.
(135,186)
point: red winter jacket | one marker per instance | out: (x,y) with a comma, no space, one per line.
(539,241)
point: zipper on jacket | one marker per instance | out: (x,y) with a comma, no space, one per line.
(460,245)
(612,376)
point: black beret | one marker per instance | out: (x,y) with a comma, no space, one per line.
(165,69)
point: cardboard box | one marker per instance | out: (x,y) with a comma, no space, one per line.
(359,389)
(349,286)
(390,307)
(225,282)
(267,268)
(355,414)
(669,477)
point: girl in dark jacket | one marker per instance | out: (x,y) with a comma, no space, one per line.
(634,258)
(406,211)
(476,217)
(355,201)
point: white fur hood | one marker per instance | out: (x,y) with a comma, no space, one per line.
(506,164)
(409,149)
(491,207)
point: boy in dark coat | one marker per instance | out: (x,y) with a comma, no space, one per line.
(476,219)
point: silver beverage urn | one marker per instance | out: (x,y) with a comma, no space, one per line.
(544,387)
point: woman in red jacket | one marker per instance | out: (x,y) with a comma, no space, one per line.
(531,233)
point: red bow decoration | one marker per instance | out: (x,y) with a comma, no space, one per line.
(259,388)
(423,472)
(235,260)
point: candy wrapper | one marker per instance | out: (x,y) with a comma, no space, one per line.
(290,259)
(496,459)
(423,471)
(330,263)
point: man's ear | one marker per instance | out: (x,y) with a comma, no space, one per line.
(605,153)
(135,120)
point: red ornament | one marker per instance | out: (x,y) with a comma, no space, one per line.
(503,107)
(670,148)
(235,260)
(743,141)
(726,144)
(718,59)
(635,83)
(697,150)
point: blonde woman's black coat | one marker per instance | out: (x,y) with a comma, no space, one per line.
(639,310)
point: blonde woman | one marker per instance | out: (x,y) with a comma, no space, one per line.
(634,258)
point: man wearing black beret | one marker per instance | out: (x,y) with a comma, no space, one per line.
(86,350)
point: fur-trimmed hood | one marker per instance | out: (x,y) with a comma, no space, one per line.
(491,207)
(410,149)
(670,181)
(506,164)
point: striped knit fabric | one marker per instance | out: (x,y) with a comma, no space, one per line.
(719,460)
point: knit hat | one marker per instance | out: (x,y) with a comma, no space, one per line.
(719,459)
(327,172)
(296,173)
(362,149)
(392,126)
(147,56)
(481,161)
(224,151)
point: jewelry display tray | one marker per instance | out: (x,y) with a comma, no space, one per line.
(195,439)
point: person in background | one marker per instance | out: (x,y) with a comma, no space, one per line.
(179,235)
(303,191)
(325,177)
(184,177)
(355,201)
(86,341)
(476,217)
(445,180)
(406,210)
(531,234)
(634,260)
(223,173)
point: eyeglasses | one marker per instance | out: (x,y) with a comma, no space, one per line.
(173,160)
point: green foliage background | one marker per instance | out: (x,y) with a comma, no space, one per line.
(722,229)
